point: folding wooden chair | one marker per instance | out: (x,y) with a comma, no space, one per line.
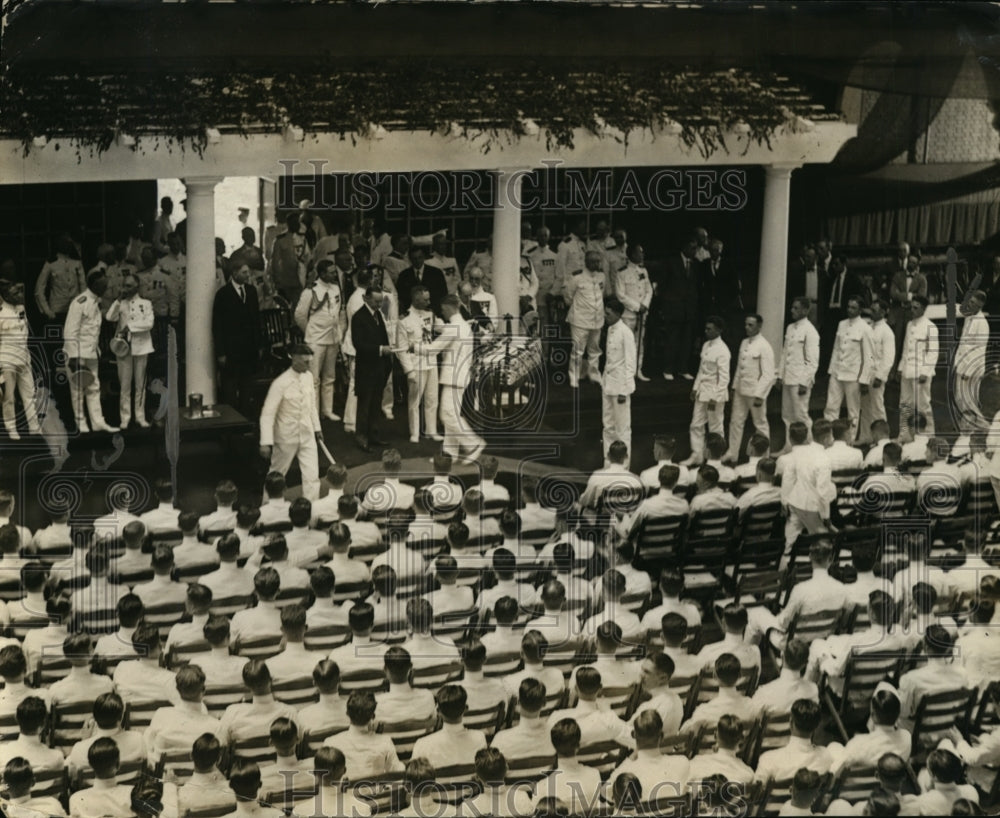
(862,675)
(312,740)
(253,748)
(51,668)
(350,591)
(138,714)
(621,700)
(938,713)
(51,783)
(68,719)
(454,624)
(20,628)
(603,756)
(218,697)
(372,679)
(529,769)
(711,524)
(129,772)
(760,522)
(433,676)
(819,625)
(327,637)
(175,765)
(487,719)
(164,616)
(502,664)
(259,647)
(297,692)
(659,539)
(228,605)
(183,654)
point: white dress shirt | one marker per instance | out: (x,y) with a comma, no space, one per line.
(576,785)
(806,483)
(264,620)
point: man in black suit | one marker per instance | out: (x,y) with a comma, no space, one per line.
(373,363)
(236,333)
(722,292)
(420,273)
(677,303)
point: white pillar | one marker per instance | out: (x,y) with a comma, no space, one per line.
(507,243)
(200,293)
(774,252)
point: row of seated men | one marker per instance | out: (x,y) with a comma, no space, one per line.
(721,668)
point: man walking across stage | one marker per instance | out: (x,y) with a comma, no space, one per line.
(797,370)
(754,379)
(711,389)
(289,422)
(618,381)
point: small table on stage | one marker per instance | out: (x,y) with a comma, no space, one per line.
(220,422)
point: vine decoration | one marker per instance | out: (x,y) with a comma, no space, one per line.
(488,107)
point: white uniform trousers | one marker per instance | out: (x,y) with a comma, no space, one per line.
(423,388)
(794,407)
(742,404)
(132,371)
(872,409)
(617,420)
(636,322)
(351,407)
(285,450)
(22,379)
(914,399)
(457,434)
(966,392)
(92,396)
(324,371)
(703,416)
(837,392)
(800,520)
(589,341)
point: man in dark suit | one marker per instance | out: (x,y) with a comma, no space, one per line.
(722,293)
(677,302)
(236,333)
(420,273)
(373,363)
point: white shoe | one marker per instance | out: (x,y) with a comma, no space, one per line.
(389,416)
(101,426)
(349,429)
(331,416)
(13,435)
(667,376)
(574,383)
(81,426)
(594,379)
(474,454)
(687,376)
(143,423)
(414,439)
(438,438)
(641,377)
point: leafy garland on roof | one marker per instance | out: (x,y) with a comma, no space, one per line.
(489,107)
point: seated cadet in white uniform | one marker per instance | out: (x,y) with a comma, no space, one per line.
(105,797)
(142,679)
(426,649)
(657,772)
(228,580)
(330,712)
(347,571)
(782,763)
(197,605)
(504,565)
(221,668)
(530,737)
(305,545)
(245,782)
(80,684)
(534,646)
(361,653)
(496,797)
(133,560)
(19,780)
(483,692)
(454,743)
(324,510)
(191,551)
(164,516)
(31,715)
(402,702)
(883,736)
(390,493)
(505,639)
(449,596)
(265,619)
(596,723)
(615,670)
(287,772)
(275,506)
(161,589)
(364,533)
(294,662)
(390,611)
(251,719)
(728,701)
(224,516)
(776,697)
(735,621)
(576,785)
(671,590)
(367,753)
(109,711)
(324,612)
(331,798)
(13,670)
(725,761)
(657,671)
(177,727)
(207,787)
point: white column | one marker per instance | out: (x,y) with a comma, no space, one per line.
(774,252)
(200,293)
(507,243)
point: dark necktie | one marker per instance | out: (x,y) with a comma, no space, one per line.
(243,295)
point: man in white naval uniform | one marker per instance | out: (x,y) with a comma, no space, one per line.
(80,336)
(711,389)
(455,345)
(318,315)
(631,286)
(970,357)
(289,422)
(134,318)
(618,382)
(797,369)
(413,330)
(754,379)
(917,364)
(570,256)
(883,357)
(584,292)
(543,259)
(850,367)
(15,360)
